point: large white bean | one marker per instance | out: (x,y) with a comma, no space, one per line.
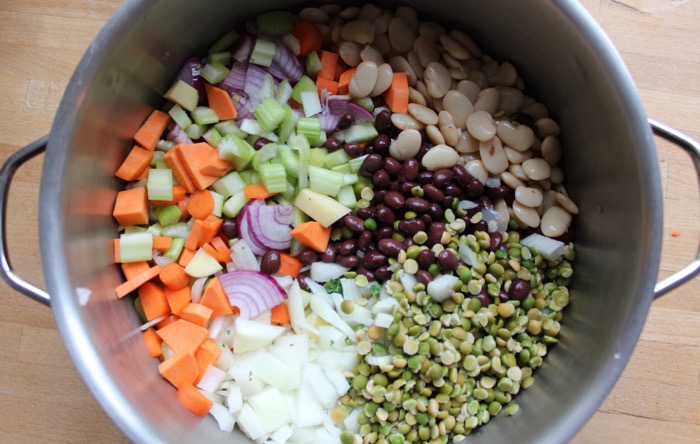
(349,52)
(431,30)
(426,49)
(467,143)
(381,25)
(477,170)
(363,80)
(505,75)
(438,157)
(493,156)
(510,99)
(529,196)
(349,13)
(414,96)
(459,106)
(401,35)
(314,15)
(551,150)
(453,48)
(409,15)
(434,135)
(371,54)
(555,221)
(557,175)
(546,127)
(360,31)
(381,42)
(488,100)
(526,215)
(479,78)
(466,41)
(517,156)
(566,202)
(415,64)
(400,64)
(480,125)
(536,110)
(469,89)
(437,79)
(423,114)
(406,145)
(458,74)
(537,169)
(406,121)
(369,12)
(512,181)
(517,171)
(518,137)
(384,78)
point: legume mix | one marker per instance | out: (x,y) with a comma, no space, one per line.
(347,225)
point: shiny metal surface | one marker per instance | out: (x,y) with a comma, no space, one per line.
(609,160)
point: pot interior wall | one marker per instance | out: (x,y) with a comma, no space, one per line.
(609,163)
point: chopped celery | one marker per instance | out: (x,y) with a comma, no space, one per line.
(289,160)
(218,203)
(160,184)
(225,42)
(165,145)
(313,64)
(236,150)
(317,156)
(284,92)
(180,116)
(157,156)
(263,53)
(227,127)
(289,194)
(136,247)
(253,127)
(342,168)
(168,215)
(269,114)
(303,181)
(213,137)
(246,177)
(235,204)
(299,217)
(274,177)
(214,72)
(350,179)
(204,115)
(300,143)
(325,181)
(183,94)
(304,84)
(289,123)
(336,158)
(275,22)
(346,196)
(362,132)
(155,229)
(264,155)
(134,229)
(365,102)
(161,165)
(296,247)
(175,249)
(310,127)
(229,185)
(195,131)
(356,163)
(311,103)
(178,230)
(223,58)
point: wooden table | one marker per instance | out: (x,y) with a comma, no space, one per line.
(42,397)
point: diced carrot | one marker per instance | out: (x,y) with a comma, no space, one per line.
(152,342)
(179,193)
(196,313)
(135,282)
(117,251)
(172,160)
(174,277)
(183,336)
(215,298)
(220,101)
(178,299)
(196,156)
(153,300)
(135,164)
(167,321)
(194,400)
(344,81)
(131,207)
(216,167)
(133,269)
(257,191)
(396,97)
(289,266)
(152,129)
(329,60)
(162,243)
(200,204)
(208,353)
(185,256)
(221,247)
(340,68)
(179,369)
(308,35)
(203,231)
(330,85)
(313,235)
(213,252)
(280,314)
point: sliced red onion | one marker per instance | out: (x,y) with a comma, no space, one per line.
(245,108)
(178,135)
(254,79)
(285,65)
(252,292)
(242,257)
(342,107)
(235,81)
(189,73)
(329,122)
(265,227)
(244,48)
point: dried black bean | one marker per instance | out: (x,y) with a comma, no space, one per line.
(270,262)
(424,277)
(394,199)
(381,179)
(411,226)
(435,232)
(452,190)
(425,177)
(348,261)
(417,204)
(346,121)
(433,193)
(364,240)
(347,247)
(474,188)
(383,233)
(407,187)
(519,289)
(390,247)
(354,223)
(308,257)
(383,273)
(424,148)
(503,297)
(392,166)
(447,260)
(382,122)
(479,226)
(260,142)
(385,215)
(442,177)
(461,176)
(371,164)
(436,211)
(229,228)
(378,198)
(484,298)
(499,192)
(374,259)
(328,256)
(496,241)
(410,169)
(366,213)
(333,144)
(425,258)
(426,218)
(353,150)
(381,144)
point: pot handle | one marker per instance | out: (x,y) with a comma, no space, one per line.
(692,147)
(7,172)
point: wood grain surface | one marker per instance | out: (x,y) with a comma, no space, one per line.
(42,397)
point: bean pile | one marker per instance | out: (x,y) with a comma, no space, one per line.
(472,165)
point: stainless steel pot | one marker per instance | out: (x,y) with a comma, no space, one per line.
(609,160)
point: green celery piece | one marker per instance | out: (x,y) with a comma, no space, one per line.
(234,204)
(213,137)
(195,131)
(180,116)
(229,185)
(237,151)
(274,177)
(157,155)
(311,128)
(346,196)
(224,43)
(136,247)
(313,64)
(218,203)
(304,84)
(203,115)
(176,246)
(168,215)
(317,156)
(264,155)
(289,160)
(356,163)
(269,114)
(289,123)
(284,92)
(223,58)
(214,72)
(365,102)
(263,52)
(160,184)
(362,132)
(300,143)
(325,181)
(228,127)
(336,158)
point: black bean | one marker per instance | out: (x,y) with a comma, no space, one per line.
(270,262)
(426,218)
(407,187)
(423,149)
(354,223)
(348,261)
(378,198)
(496,241)
(447,260)
(452,190)
(461,176)
(394,199)
(347,247)
(447,202)
(346,121)
(368,274)
(381,179)
(353,150)
(479,226)
(383,273)
(503,297)
(303,285)
(424,277)
(383,233)
(484,298)
(433,193)
(484,202)
(425,177)
(374,259)
(307,257)
(385,215)
(519,289)
(425,258)
(435,232)
(407,243)
(229,228)
(499,192)
(395,185)
(382,122)
(381,144)
(328,256)
(474,188)
(417,204)
(410,169)
(333,144)
(411,226)
(260,142)
(366,213)
(371,164)
(364,240)
(442,177)
(390,247)
(392,166)
(436,211)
